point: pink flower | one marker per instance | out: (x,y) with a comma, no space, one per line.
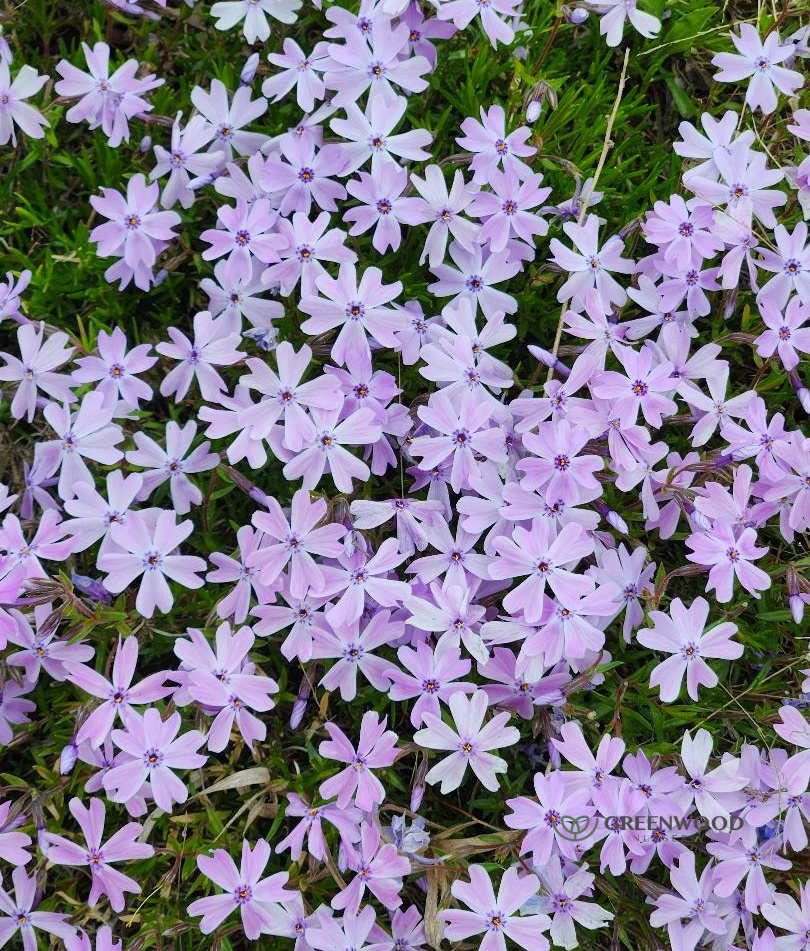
(759,61)
(34,370)
(20,914)
(590,266)
(117,693)
(682,635)
(244,888)
(98,855)
(378,868)
(784,334)
(247,231)
(214,344)
(114,370)
(146,550)
(153,751)
(496,918)
(469,741)
(294,542)
(692,910)
(375,750)
(730,557)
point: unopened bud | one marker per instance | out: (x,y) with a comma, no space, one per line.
(146,144)
(300,705)
(68,757)
(549,360)
(42,840)
(796,608)
(616,521)
(578,15)
(701,520)
(248,73)
(533,110)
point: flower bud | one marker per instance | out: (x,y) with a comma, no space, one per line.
(701,520)
(248,73)
(796,608)
(578,15)
(616,521)
(68,757)
(145,145)
(533,110)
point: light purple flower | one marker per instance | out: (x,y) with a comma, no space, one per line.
(146,549)
(35,369)
(226,120)
(299,72)
(115,370)
(758,61)
(729,555)
(376,749)
(136,229)
(492,146)
(89,434)
(172,464)
(469,742)
(246,231)
(243,887)
(184,159)
(13,108)
(19,911)
(378,867)
(368,135)
(474,277)
(785,333)
(590,265)
(681,633)
(496,918)
(254,13)
(107,101)
(117,693)
(214,344)
(153,751)
(374,62)
(98,855)
(357,307)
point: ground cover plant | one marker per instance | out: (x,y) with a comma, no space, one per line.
(405,480)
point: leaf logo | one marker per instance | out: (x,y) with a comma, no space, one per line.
(576,828)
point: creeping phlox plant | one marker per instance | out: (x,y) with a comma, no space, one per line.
(384,601)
